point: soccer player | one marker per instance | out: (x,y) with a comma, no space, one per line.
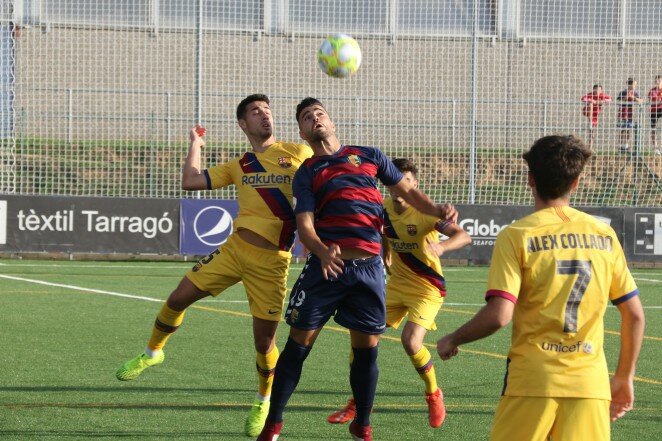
(625,121)
(592,109)
(416,287)
(339,219)
(655,98)
(553,273)
(257,253)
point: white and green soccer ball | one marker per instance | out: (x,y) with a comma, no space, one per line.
(339,56)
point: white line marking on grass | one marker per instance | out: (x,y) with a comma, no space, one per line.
(152,299)
(80,288)
(648,280)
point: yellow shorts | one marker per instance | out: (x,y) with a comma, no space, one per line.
(263,272)
(562,419)
(402,298)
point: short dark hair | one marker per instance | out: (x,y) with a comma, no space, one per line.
(307,102)
(595,86)
(241,108)
(555,162)
(405,165)
(631,81)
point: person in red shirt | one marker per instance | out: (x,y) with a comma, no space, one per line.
(592,109)
(655,98)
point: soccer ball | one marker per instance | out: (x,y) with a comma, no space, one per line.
(339,56)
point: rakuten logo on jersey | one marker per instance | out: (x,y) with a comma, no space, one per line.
(482,233)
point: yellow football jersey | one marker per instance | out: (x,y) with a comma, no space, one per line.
(560,266)
(264,189)
(407,234)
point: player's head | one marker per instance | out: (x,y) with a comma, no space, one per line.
(409,174)
(597,88)
(658,79)
(632,83)
(254,116)
(314,121)
(555,163)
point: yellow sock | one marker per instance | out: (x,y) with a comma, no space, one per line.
(165,325)
(266,364)
(422,361)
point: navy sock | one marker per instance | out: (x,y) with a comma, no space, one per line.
(286,377)
(363,378)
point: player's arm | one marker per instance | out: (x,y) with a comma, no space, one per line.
(632,334)
(495,315)
(457,238)
(332,264)
(421,202)
(193,177)
(386,251)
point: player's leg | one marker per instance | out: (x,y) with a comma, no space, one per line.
(265,279)
(167,321)
(362,310)
(209,276)
(580,419)
(348,412)
(363,376)
(524,418)
(286,378)
(396,311)
(423,310)
(312,302)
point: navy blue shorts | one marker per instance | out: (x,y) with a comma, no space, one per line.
(356,298)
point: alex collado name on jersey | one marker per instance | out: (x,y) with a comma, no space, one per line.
(569,241)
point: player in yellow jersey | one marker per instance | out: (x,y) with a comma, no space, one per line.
(416,287)
(553,273)
(257,253)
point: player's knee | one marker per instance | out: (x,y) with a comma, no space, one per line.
(185,295)
(264,344)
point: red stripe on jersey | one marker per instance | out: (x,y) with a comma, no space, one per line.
(502,294)
(355,194)
(335,170)
(349,220)
(353,242)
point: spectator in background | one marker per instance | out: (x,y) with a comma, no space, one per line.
(625,121)
(593,108)
(655,98)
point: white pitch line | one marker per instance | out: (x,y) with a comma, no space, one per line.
(80,288)
(152,299)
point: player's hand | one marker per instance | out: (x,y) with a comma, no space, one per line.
(622,397)
(435,248)
(196,135)
(446,349)
(447,212)
(332,264)
(387,263)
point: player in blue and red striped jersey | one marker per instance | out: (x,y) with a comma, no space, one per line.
(339,219)
(416,287)
(257,253)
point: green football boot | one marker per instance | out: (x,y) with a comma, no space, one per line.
(257,417)
(134,367)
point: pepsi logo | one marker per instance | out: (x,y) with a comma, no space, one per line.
(212,225)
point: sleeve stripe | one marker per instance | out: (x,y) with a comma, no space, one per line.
(626,297)
(208,179)
(502,294)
